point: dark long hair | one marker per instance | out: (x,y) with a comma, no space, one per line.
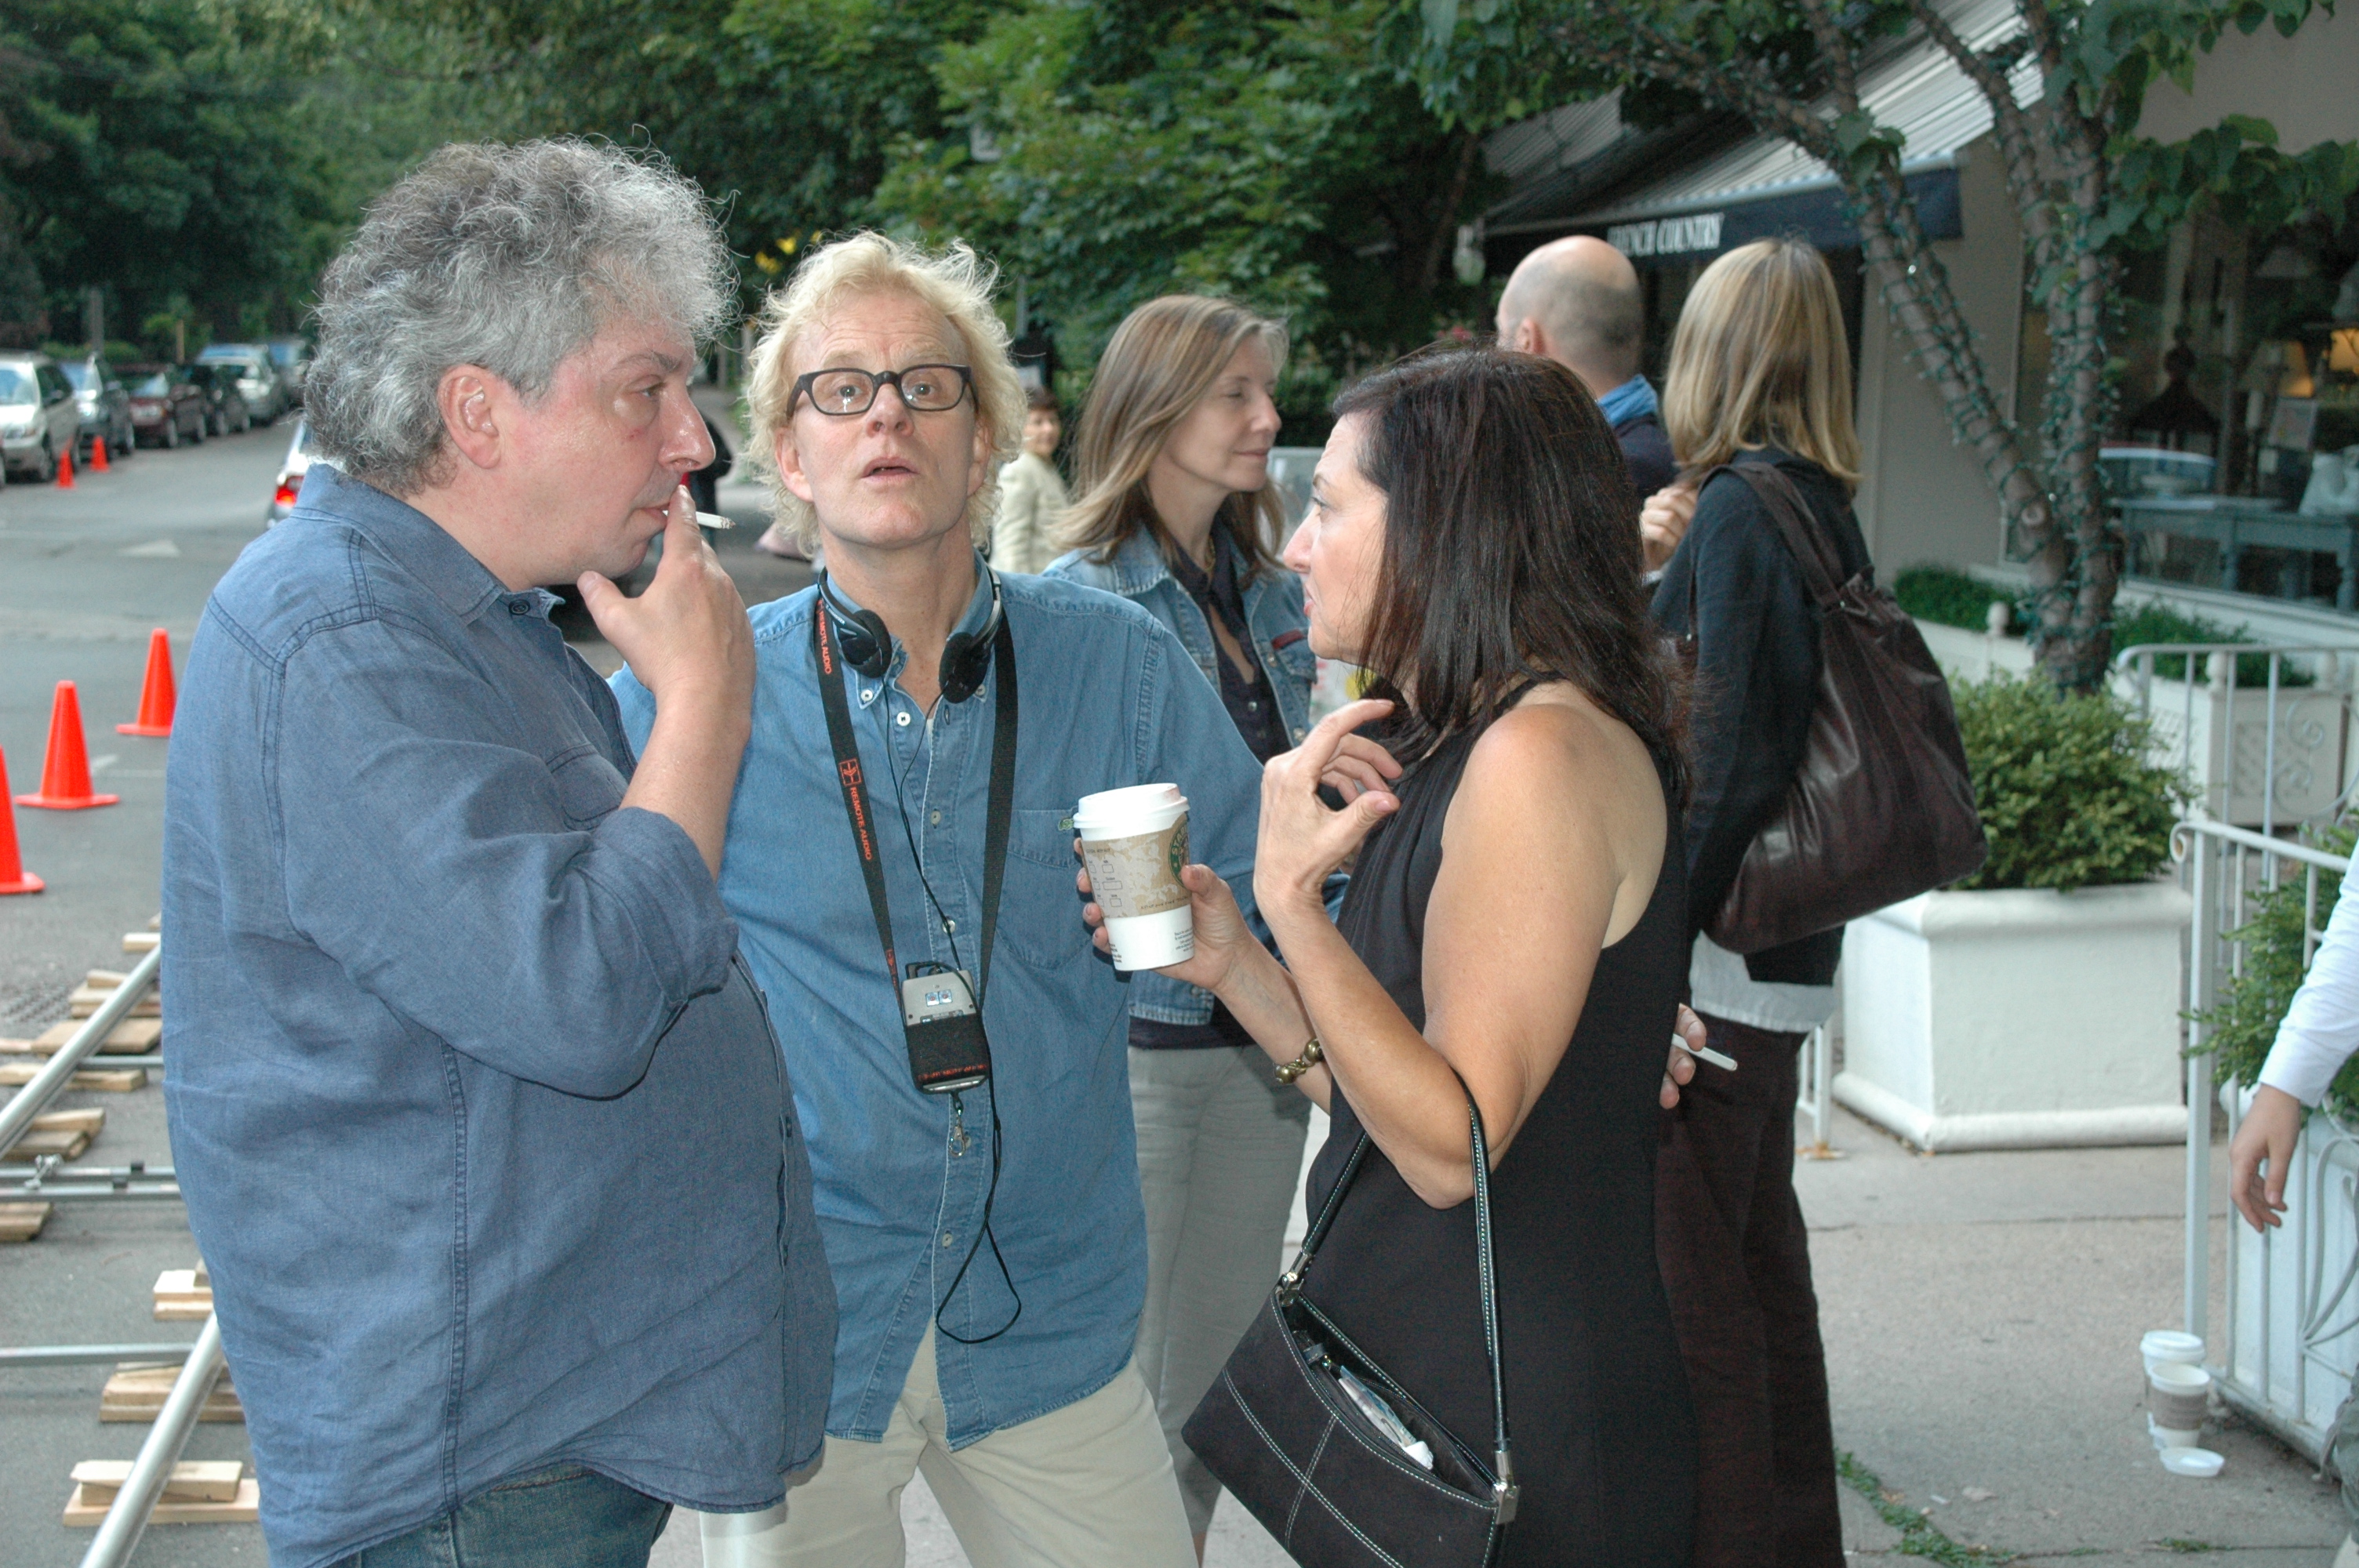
(1511,549)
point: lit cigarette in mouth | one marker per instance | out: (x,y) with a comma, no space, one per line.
(714,520)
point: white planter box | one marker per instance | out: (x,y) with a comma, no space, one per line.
(2290,1338)
(2018,1019)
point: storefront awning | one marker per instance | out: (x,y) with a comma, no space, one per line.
(1693,190)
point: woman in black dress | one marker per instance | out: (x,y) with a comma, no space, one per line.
(1516,920)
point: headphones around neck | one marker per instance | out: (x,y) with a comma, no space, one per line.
(869,645)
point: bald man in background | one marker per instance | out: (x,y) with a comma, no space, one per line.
(1576,301)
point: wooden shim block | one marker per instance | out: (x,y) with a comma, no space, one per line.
(23,1221)
(88,1119)
(201,1276)
(137,1391)
(156,923)
(112,1080)
(85,1511)
(87,1000)
(192,1480)
(141,941)
(132,1037)
(105,980)
(178,1296)
(33,1144)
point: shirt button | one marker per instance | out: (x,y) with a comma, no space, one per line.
(868,696)
(515,607)
(946,1239)
(937,820)
(902,720)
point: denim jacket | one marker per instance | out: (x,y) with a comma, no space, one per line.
(1281,642)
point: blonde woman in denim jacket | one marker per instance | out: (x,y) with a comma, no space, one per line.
(1177,514)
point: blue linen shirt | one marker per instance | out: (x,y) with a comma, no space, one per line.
(485,1135)
(1109,699)
(1281,644)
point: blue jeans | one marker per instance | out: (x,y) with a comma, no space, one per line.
(564,1516)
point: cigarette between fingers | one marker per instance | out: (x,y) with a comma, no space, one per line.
(1706,1053)
(714,519)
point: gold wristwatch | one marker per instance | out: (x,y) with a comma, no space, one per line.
(1312,1055)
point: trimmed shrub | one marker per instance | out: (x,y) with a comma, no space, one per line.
(2244,1023)
(2068,795)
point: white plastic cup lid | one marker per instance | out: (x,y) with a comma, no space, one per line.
(2171,1345)
(2179,1377)
(2200,1462)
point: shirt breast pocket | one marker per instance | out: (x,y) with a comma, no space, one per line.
(589,787)
(1039,906)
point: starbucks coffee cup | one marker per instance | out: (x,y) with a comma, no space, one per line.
(1135,841)
(2177,1397)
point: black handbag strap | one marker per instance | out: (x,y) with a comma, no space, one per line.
(1291,1283)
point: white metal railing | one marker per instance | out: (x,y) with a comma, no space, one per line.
(2272,753)
(2287,1348)
(1817,1098)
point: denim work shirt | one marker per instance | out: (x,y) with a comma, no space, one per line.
(1280,642)
(485,1135)
(1108,701)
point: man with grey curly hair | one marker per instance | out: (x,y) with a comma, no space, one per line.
(482,1125)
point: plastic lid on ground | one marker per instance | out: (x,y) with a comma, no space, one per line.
(2200,1462)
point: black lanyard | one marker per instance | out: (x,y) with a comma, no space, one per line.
(848,774)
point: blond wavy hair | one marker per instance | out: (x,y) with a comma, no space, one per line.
(1162,361)
(1760,358)
(954,282)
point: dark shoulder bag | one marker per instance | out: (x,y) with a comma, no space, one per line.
(1284,1433)
(1882,808)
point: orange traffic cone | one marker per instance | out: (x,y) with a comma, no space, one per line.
(155,693)
(98,454)
(14,877)
(65,469)
(65,771)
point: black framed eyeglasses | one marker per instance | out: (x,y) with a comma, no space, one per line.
(844,392)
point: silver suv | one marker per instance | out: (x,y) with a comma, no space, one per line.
(39,422)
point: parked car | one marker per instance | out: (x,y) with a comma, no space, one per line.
(299,459)
(292,359)
(104,405)
(257,378)
(38,421)
(226,409)
(167,404)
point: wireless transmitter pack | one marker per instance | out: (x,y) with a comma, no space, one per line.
(948,1050)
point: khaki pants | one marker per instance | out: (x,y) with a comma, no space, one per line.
(1220,1149)
(1085,1486)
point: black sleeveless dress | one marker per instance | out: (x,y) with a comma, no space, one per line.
(1604,1440)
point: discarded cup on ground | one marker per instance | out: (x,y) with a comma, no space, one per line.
(2200,1462)
(2168,1345)
(1134,841)
(2177,1397)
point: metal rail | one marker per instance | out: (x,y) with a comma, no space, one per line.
(17,1116)
(88,1354)
(2272,754)
(126,1520)
(2285,1353)
(53,1182)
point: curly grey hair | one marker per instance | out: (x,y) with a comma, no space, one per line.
(507,257)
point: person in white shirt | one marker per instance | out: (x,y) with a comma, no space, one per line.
(2319,1033)
(1032,497)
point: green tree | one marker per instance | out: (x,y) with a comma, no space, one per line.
(2065,81)
(1108,151)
